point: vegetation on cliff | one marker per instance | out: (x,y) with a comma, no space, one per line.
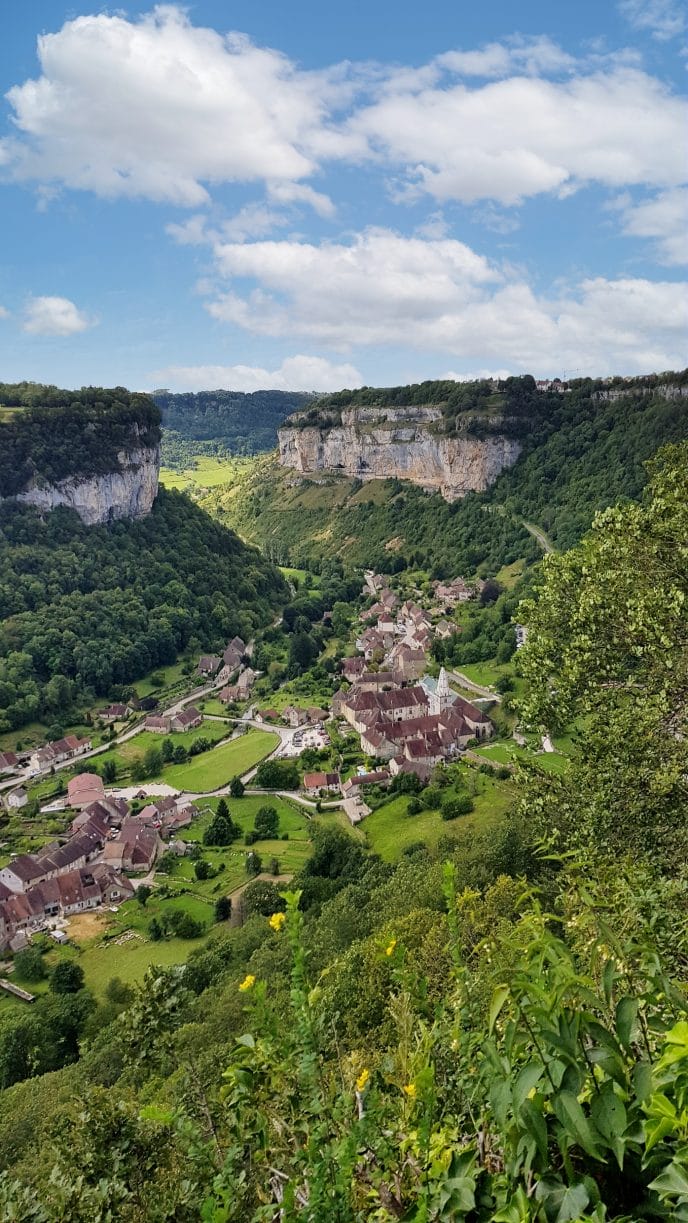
(491,1032)
(84,610)
(48,434)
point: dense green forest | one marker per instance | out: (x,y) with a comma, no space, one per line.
(241,423)
(494,1032)
(580,452)
(86,609)
(49,434)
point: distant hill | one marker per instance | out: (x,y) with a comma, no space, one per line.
(223,421)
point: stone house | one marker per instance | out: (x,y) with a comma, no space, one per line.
(84,789)
(313,783)
(158,724)
(17,799)
(187,719)
(208,665)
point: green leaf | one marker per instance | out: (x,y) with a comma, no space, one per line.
(498,999)
(576,1125)
(526,1079)
(626,1015)
(246,1040)
(535,1125)
(562,1203)
(608,979)
(642,1080)
(609,1114)
(672,1180)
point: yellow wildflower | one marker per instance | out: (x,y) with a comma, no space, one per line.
(247,983)
(389,949)
(410,1090)
(277,921)
(362,1080)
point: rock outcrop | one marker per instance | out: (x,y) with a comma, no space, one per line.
(125,492)
(397,443)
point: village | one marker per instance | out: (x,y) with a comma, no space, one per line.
(388,698)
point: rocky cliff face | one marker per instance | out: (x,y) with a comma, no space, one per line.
(384,443)
(128,492)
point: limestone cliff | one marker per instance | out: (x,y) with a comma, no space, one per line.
(96,451)
(397,443)
(128,491)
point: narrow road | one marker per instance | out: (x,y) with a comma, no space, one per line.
(538,534)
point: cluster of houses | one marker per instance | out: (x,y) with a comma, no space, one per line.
(411,727)
(552,384)
(222,667)
(313,715)
(68,748)
(88,869)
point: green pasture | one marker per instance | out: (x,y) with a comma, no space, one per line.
(216,768)
(390,829)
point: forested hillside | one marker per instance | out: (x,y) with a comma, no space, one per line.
(49,434)
(381,523)
(239,423)
(83,609)
(581,451)
(494,1031)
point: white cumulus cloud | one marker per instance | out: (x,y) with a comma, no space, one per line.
(385,290)
(156,107)
(4,312)
(54,316)
(523,136)
(298,373)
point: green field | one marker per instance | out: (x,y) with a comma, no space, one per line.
(213,769)
(390,829)
(124,753)
(508,752)
(207,472)
(298,577)
(292,819)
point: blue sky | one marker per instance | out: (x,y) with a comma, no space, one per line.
(310,196)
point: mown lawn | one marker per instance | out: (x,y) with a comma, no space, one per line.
(298,577)
(124,753)
(484,673)
(243,812)
(130,961)
(216,768)
(390,829)
(508,752)
(211,705)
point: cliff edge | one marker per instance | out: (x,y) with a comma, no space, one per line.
(371,443)
(94,451)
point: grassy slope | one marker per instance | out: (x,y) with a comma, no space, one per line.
(390,829)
